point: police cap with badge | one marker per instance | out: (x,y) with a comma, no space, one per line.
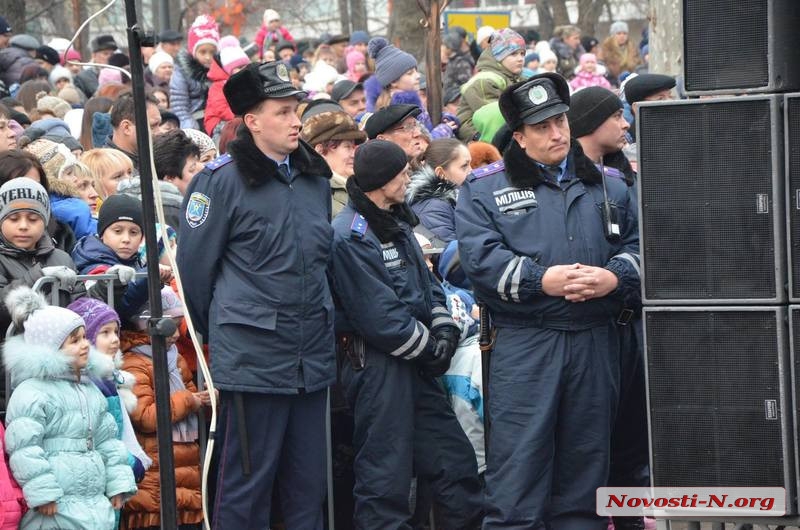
(256,82)
(534,100)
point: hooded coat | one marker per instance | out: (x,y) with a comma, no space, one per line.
(217,108)
(143,510)
(92,256)
(483,88)
(61,439)
(434,201)
(68,207)
(188,89)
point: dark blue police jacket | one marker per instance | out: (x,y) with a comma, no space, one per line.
(253,255)
(513,223)
(384,291)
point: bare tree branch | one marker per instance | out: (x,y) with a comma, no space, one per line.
(37,14)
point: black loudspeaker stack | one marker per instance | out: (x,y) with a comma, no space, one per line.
(719,219)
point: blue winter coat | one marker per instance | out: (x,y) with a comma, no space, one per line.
(434,202)
(188,89)
(513,223)
(253,252)
(92,256)
(69,208)
(62,441)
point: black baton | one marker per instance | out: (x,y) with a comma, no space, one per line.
(238,403)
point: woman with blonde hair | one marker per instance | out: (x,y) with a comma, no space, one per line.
(109,167)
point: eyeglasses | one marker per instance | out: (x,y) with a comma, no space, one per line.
(409,127)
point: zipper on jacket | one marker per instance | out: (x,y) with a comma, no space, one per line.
(86,414)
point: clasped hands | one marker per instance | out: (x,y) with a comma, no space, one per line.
(577,282)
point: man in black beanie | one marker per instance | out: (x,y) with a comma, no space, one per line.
(395,336)
(596,120)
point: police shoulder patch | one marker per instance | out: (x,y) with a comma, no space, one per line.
(358,227)
(491,169)
(219,161)
(197,209)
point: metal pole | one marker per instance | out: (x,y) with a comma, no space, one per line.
(163,15)
(158,328)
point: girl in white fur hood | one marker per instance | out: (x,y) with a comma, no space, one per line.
(60,438)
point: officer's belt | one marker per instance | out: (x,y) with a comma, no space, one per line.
(550,322)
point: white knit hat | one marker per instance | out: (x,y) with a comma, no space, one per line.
(157,59)
(484,32)
(270,15)
(43,324)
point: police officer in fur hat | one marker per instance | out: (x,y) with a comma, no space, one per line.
(253,255)
(555,264)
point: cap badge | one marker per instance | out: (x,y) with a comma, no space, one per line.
(537,95)
(282,72)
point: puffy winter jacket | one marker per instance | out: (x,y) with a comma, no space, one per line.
(217,108)
(92,256)
(62,441)
(143,510)
(12,61)
(69,208)
(484,87)
(434,201)
(23,267)
(12,502)
(188,90)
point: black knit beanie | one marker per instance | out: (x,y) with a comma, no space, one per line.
(377,162)
(589,108)
(119,208)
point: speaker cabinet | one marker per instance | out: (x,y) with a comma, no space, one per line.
(742,46)
(719,397)
(712,203)
(791,109)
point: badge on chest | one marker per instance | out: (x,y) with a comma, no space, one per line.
(391,256)
(514,201)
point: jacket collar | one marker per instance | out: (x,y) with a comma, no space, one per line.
(256,168)
(386,224)
(524,172)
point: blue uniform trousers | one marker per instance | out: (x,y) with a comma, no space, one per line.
(286,442)
(552,403)
(404,424)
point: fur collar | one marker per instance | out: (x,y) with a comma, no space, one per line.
(619,161)
(256,168)
(385,223)
(63,188)
(524,172)
(32,361)
(426,185)
(191,67)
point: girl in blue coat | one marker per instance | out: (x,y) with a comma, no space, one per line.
(60,438)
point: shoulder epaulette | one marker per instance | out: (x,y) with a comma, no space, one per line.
(609,171)
(358,227)
(219,162)
(491,169)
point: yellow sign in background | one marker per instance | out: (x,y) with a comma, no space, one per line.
(472,20)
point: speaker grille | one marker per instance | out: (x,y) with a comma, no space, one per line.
(708,201)
(715,398)
(793,158)
(714,35)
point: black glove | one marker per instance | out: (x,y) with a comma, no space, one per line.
(442,344)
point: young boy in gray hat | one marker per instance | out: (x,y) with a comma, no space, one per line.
(27,252)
